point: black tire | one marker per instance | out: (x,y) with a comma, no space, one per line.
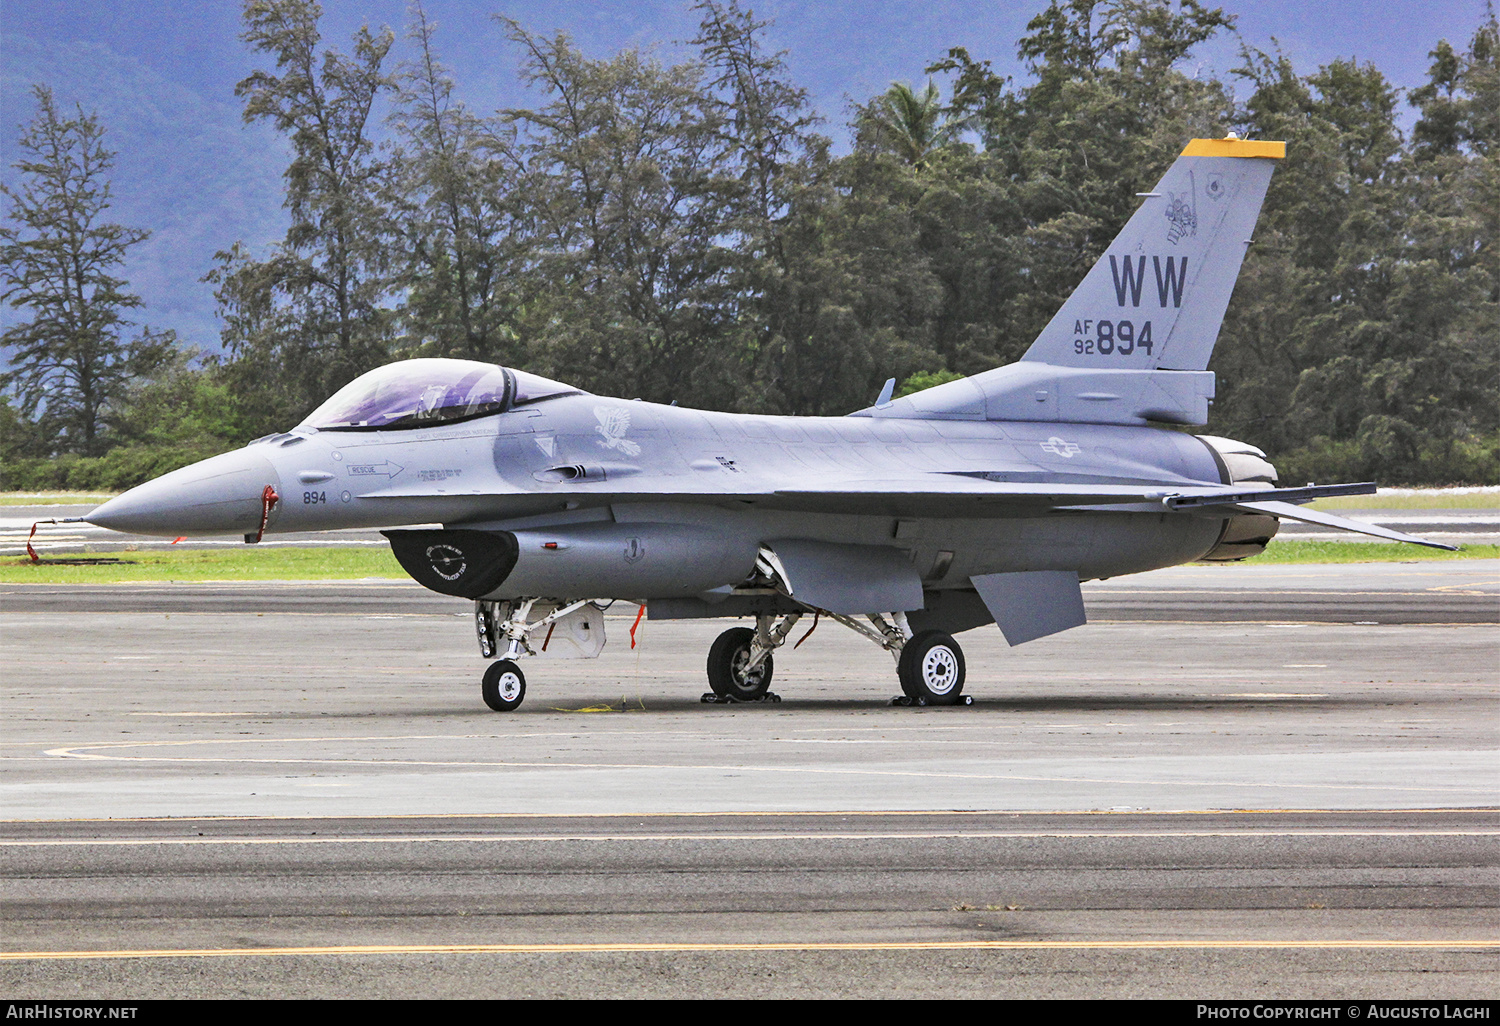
(931,669)
(504,686)
(726,667)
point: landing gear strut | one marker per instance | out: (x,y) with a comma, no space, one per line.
(930,665)
(739,663)
(505,629)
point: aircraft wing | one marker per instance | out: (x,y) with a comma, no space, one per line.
(962,487)
(933,493)
(959,494)
(962,491)
(965,492)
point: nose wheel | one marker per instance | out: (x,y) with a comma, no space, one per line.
(504,686)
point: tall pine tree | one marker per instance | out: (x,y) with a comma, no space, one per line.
(72,364)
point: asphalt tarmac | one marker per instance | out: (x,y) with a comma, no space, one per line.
(1218,788)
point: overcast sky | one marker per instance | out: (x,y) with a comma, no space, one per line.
(160,74)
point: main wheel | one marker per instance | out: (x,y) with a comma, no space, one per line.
(504,686)
(727,660)
(932,669)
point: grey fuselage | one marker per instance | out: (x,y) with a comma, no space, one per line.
(582,459)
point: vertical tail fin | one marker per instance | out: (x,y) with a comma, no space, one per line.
(1156,299)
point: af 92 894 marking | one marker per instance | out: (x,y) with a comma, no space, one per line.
(1117,337)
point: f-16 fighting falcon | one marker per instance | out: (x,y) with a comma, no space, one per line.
(982,501)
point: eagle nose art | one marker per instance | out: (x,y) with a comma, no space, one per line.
(221,495)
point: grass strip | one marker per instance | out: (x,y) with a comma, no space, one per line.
(1430,500)
(90,499)
(245,563)
(1363,552)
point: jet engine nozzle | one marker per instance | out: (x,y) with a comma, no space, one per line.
(219,495)
(1247,534)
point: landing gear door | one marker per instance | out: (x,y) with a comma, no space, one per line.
(578,635)
(849,579)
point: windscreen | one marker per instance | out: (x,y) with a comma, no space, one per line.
(414,393)
(533,388)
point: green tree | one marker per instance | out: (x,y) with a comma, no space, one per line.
(1361,340)
(909,124)
(71,363)
(859,298)
(623,175)
(765,119)
(314,314)
(458,213)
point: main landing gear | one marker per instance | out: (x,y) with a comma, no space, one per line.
(740,664)
(931,669)
(930,665)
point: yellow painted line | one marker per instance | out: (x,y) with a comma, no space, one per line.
(1469,584)
(976,945)
(735,837)
(1259,594)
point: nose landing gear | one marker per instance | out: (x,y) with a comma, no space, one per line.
(507,629)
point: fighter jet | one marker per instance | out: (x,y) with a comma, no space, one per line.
(983,501)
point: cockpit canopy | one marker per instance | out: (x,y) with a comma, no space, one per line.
(421,393)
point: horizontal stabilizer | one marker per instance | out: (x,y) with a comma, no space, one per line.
(1287,511)
(1307,494)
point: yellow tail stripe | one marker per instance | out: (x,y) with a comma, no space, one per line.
(1235,148)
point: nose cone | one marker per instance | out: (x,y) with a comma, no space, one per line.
(221,495)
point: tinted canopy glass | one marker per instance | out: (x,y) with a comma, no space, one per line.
(531,388)
(419,393)
(414,393)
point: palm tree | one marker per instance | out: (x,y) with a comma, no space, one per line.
(909,124)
